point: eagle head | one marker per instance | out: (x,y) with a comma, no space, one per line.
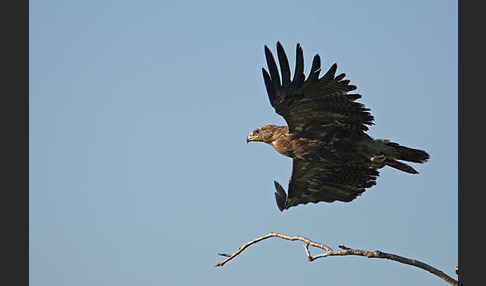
(264,133)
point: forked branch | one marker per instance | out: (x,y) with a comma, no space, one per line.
(327,251)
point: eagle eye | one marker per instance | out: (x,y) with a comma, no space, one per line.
(256,132)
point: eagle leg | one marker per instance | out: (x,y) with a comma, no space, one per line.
(378,161)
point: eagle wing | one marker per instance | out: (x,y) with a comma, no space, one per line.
(313,106)
(316,181)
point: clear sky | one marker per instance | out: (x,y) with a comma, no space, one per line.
(139,170)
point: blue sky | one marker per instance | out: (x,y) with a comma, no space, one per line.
(139,170)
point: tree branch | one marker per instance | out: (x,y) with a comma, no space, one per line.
(342,252)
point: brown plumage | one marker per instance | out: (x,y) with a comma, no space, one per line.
(333,158)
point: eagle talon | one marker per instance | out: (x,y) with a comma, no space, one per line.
(378,159)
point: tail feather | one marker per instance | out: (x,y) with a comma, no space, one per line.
(394,152)
(409,154)
(400,166)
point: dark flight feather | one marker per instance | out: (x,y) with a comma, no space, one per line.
(299,67)
(320,181)
(315,69)
(284,64)
(269,86)
(280,196)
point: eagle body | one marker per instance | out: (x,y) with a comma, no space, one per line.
(337,150)
(290,145)
(333,159)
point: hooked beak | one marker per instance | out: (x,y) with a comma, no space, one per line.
(251,137)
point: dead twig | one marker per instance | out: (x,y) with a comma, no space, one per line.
(342,252)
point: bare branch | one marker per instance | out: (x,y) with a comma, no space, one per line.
(342,252)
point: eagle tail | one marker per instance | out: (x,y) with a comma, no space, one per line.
(400,166)
(408,154)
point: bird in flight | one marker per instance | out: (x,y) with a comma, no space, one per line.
(333,159)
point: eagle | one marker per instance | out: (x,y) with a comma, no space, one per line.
(333,159)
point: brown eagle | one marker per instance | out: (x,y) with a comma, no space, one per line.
(333,158)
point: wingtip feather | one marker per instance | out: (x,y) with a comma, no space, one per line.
(280,196)
(268,85)
(272,67)
(299,76)
(284,65)
(315,69)
(340,77)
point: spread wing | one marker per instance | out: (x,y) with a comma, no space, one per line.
(314,105)
(316,181)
